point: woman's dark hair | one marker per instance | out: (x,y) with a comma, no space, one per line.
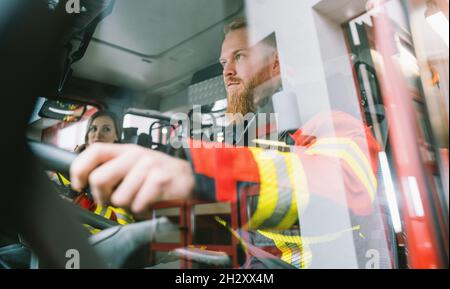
(100,113)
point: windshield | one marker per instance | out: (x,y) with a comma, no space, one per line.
(316,138)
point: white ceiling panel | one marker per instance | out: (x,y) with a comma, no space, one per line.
(153,45)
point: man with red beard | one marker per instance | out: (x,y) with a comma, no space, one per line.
(251,76)
(331,149)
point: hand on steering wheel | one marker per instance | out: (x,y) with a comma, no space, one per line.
(130,176)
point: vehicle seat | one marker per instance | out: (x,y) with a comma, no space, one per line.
(144,140)
(130,135)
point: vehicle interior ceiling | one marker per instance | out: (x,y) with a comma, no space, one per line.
(145,54)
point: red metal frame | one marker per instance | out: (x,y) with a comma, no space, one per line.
(171,246)
(186,210)
(406,140)
(422,242)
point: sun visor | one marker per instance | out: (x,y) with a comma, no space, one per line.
(87,14)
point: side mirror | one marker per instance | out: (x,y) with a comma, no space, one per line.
(62,110)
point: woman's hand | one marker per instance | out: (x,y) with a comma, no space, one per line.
(130,176)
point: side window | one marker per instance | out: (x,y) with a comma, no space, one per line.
(150,132)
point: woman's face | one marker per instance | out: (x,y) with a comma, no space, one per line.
(102,130)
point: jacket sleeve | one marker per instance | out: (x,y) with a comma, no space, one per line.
(338,162)
(343,157)
(218,171)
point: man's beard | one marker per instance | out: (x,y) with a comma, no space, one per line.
(243,102)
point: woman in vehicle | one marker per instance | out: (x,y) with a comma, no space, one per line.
(102,127)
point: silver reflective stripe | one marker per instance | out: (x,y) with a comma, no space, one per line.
(296,254)
(103,211)
(123,217)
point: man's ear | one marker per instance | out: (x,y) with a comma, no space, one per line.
(276,65)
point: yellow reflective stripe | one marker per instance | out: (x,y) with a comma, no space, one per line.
(282,180)
(65,181)
(281,237)
(300,188)
(98,209)
(268,194)
(291,247)
(302,243)
(309,240)
(355,148)
(285,192)
(286,253)
(91,229)
(234,232)
(122,222)
(103,211)
(122,216)
(339,153)
(121,212)
(348,150)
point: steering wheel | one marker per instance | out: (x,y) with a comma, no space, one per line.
(117,243)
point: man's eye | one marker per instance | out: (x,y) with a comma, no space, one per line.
(239,57)
(223,63)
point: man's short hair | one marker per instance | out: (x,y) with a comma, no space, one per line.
(236,24)
(240,23)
